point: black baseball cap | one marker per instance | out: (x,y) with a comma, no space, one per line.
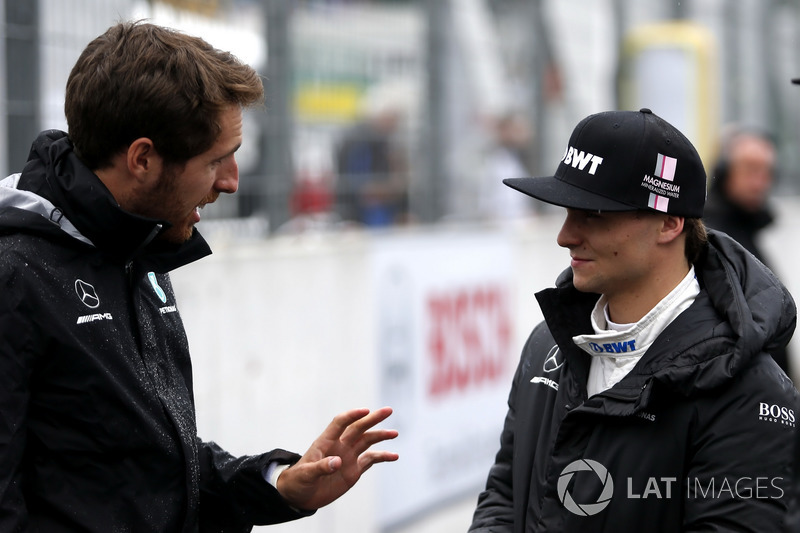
(796,81)
(624,161)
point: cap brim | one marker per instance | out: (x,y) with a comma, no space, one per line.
(796,81)
(557,192)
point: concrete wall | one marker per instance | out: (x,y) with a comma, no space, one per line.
(283,333)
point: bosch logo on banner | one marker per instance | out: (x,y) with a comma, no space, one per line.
(469,340)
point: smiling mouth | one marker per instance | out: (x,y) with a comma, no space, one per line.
(204,203)
(210,198)
(578,261)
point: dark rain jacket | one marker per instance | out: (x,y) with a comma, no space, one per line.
(698,437)
(97,418)
(744,226)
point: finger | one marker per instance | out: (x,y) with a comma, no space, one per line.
(373,437)
(334,464)
(368,440)
(342,421)
(367,459)
(360,426)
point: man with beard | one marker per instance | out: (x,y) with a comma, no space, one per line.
(99,430)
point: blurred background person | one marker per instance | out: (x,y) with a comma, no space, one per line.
(742,177)
(739,195)
(507,157)
(371,186)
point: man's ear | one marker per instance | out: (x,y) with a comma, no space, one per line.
(671,228)
(142,160)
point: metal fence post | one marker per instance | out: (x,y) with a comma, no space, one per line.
(278,128)
(427,195)
(22,79)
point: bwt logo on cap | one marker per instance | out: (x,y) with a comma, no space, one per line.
(645,164)
(579,159)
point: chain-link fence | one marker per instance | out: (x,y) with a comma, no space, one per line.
(407,112)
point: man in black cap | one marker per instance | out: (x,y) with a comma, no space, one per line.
(647,400)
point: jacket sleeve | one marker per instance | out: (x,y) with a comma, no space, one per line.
(16,349)
(495,510)
(234,495)
(740,464)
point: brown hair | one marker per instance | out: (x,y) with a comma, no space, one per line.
(142,80)
(696,239)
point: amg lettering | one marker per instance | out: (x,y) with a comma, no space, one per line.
(91,318)
(545,381)
(579,159)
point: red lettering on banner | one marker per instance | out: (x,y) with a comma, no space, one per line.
(469,338)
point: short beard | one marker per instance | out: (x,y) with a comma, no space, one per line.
(155,203)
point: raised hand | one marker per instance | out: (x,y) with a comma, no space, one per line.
(337,459)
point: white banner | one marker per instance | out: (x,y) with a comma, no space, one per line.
(446,357)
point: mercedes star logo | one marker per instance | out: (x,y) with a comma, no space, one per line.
(87,294)
(554,360)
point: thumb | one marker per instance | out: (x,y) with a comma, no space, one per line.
(331,464)
(324,467)
(306,474)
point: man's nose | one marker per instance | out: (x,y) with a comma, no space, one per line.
(568,236)
(228,179)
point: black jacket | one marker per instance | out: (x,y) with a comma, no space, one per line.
(97,419)
(744,226)
(698,437)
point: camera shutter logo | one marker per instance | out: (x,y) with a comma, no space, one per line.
(87,294)
(585,509)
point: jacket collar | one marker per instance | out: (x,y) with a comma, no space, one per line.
(54,172)
(567,313)
(742,310)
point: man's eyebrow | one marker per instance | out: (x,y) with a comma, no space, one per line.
(230,152)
